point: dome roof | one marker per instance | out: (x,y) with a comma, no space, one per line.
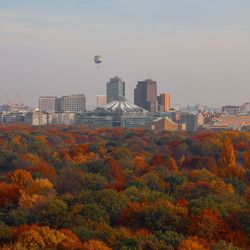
(121,105)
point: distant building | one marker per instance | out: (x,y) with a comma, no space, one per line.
(231,110)
(245,108)
(200,120)
(175,116)
(61,118)
(190,120)
(115,88)
(37,118)
(47,104)
(236,122)
(12,117)
(217,127)
(92,120)
(71,103)
(101,100)
(119,113)
(164,102)
(145,95)
(163,124)
(196,108)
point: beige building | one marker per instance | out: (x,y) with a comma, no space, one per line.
(43,118)
(245,108)
(101,100)
(164,124)
(61,118)
(47,103)
(233,121)
(37,118)
(200,120)
(71,103)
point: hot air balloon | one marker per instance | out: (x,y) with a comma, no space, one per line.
(98,60)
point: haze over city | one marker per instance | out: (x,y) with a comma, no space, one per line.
(196,49)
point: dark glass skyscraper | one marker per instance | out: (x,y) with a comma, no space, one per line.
(115,89)
(145,95)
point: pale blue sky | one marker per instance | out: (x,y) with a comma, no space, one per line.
(197,49)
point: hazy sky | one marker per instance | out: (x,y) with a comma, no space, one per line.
(199,50)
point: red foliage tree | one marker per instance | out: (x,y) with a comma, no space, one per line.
(9,193)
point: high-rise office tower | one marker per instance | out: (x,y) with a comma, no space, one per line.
(101,100)
(115,88)
(164,102)
(71,103)
(145,95)
(47,104)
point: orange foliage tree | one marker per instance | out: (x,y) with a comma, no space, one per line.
(36,237)
(95,245)
(21,177)
(192,243)
(207,225)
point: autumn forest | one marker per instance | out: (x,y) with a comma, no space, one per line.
(72,188)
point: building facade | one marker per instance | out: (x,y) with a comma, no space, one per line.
(235,122)
(47,104)
(163,124)
(37,118)
(164,102)
(190,120)
(67,118)
(245,108)
(145,95)
(91,120)
(115,89)
(101,100)
(71,103)
(12,117)
(231,110)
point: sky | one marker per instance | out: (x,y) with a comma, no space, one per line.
(199,50)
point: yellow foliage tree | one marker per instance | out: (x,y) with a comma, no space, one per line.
(37,192)
(14,246)
(31,239)
(35,237)
(28,201)
(21,177)
(51,237)
(41,186)
(228,159)
(220,187)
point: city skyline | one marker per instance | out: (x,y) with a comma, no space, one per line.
(197,50)
(17,99)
